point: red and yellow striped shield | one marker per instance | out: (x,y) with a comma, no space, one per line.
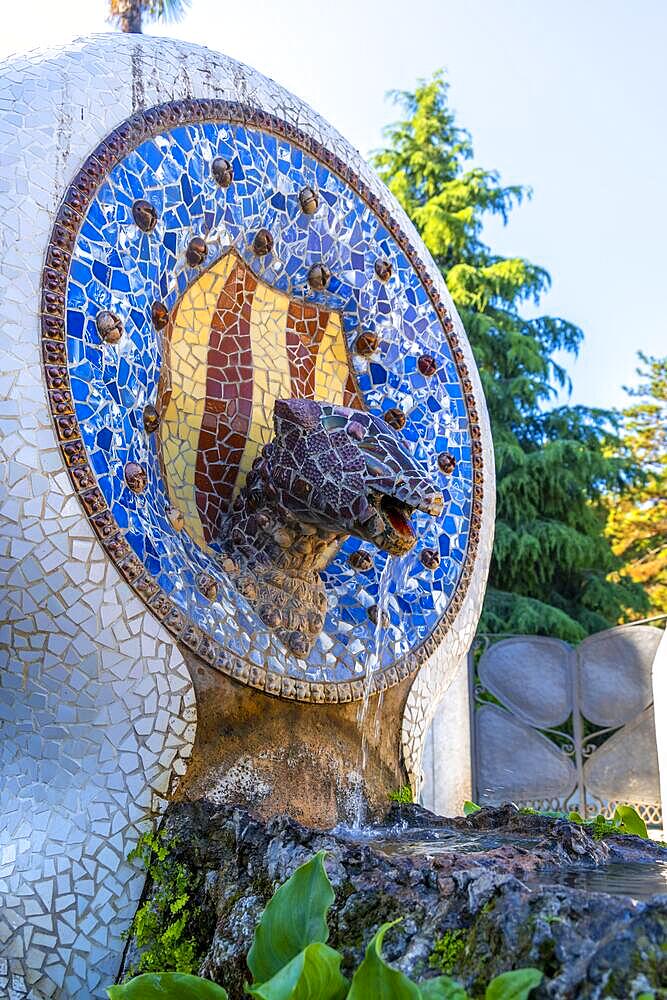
(234,345)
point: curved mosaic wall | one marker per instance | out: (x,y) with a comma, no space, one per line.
(207,260)
(97,711)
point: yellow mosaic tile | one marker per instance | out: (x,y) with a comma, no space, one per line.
(332,367)
(190,337)
(271,372)
(181,422)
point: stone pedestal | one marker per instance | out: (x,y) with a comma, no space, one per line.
(320,764)
(502,902)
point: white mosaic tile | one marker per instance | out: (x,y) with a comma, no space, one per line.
(97,711)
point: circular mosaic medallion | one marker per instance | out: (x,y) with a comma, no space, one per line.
(208,260)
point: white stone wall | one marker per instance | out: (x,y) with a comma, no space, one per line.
(447,759)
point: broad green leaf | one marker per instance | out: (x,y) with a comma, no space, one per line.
(374,978)
(442,988)
(313,975)
(167,986)
(575,817)
(295,917)
(513,985)
(631,820)
(470,807)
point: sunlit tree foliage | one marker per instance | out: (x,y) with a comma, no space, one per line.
(552,561)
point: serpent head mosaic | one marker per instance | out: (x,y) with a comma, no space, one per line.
(261,401)
(330,472)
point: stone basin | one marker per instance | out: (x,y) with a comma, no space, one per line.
(634,879)
(518,889)
(633,869)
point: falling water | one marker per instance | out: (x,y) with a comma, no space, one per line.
(373,663)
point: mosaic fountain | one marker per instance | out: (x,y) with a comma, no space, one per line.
(247,481)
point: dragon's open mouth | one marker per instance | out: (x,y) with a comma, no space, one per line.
(399,535)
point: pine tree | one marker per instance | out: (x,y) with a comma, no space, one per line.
(551,559)
(637,523)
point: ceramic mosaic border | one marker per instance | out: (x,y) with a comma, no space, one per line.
(126,137)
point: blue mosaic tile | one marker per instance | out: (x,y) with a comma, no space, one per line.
(117,267)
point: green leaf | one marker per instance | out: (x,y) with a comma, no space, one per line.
(442,988)
(295,917)
(513,985)
(575,817)
(470,807)
(403,795)
(313,975)
(631,821)
(167,986)
(374,978)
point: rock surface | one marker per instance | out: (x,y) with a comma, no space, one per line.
(485,886)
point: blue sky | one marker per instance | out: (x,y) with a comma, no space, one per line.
(569,98)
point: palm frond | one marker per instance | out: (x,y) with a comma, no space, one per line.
(168,11)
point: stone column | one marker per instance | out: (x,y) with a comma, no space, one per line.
(659,678)
(322,764)
(447,762)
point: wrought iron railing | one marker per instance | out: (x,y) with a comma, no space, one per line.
(539,702)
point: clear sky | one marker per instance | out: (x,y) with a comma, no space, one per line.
(569,97)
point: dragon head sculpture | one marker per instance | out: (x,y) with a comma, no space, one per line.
(329,472)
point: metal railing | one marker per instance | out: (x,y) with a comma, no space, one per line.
(583,715)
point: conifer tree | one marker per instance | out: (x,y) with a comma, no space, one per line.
(551,559)
(637,523)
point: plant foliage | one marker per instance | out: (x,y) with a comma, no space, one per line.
(628,820)
(290,960)
(295,917)
(402,795)
(637,525)
(162,924)
(513,985)
(313,974)
(374,978)
(167,986)
(448,951)
(442,988)
(129,15)
(551,560)
(625,820)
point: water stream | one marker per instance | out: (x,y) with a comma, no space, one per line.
(373,663)
(405,842)
(637,880)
